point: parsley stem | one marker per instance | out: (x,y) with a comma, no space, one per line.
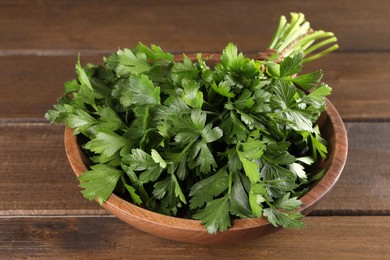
(321,54)
(319,45)
(220,116)
(230,182)
(185,150)
(297,36)
(279,30)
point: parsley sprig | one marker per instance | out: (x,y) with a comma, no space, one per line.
(211,142)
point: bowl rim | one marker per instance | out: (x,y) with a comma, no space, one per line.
(114,203)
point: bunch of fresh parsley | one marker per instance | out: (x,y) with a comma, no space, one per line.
(187,139)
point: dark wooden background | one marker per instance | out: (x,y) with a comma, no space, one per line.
(42,213)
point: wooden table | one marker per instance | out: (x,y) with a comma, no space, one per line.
(42,212)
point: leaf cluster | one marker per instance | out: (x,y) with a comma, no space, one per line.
(188,138)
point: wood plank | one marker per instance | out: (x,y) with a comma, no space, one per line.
(29,85)
(360,84)
(182,26)
(36,178)
(363,188)
(109,238)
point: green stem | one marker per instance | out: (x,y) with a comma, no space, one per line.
(185,150)
(279,30)
(314,36)
(297,36)
(293,37)
(319,45)
(321,54)
(220,116)
(230,182)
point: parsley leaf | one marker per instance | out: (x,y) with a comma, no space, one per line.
(286,220)
(107,142)
(223,88)
(215,216)
(238,200)
(318,144)
(138,90)
(130,62)
(151,167)
(191,94)
(283,218)
(208,188)
(154,53)
(291,65)
(308,81)
(201,156)
(99,182)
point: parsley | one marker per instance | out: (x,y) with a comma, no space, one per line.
(214,143)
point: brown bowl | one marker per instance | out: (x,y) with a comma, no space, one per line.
(191,231)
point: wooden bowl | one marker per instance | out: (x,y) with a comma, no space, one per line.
(191,231)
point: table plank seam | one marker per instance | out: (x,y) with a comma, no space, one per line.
(105,52)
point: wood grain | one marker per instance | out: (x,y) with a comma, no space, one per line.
(360,83)
(109,238)
(30,85)
(36,178)
(363,188)
(46,25)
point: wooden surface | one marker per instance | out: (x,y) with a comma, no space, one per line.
(42,213)
(50,237)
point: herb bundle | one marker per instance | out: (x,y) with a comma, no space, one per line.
(184,138)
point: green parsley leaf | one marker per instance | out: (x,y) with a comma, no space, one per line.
(287,203)
(131,63)
(316,97)
(223,88)
(154,53)
(208,188)
(191,94)
(183,70)
(83,77)
(308,81)
(109,118)
(210,134)
(234,130)
(107,142)
(201,156)
(158,159)
(298,169)
(286,220)
(289,219)
(99,182)
(82,121)
(139,160)
(238,200)
(284,95)
(134,196)
(318,144)
(71,86)
(215,216)
(245,100)
(170,193)
(291,65)
(257,196)
(138,90)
